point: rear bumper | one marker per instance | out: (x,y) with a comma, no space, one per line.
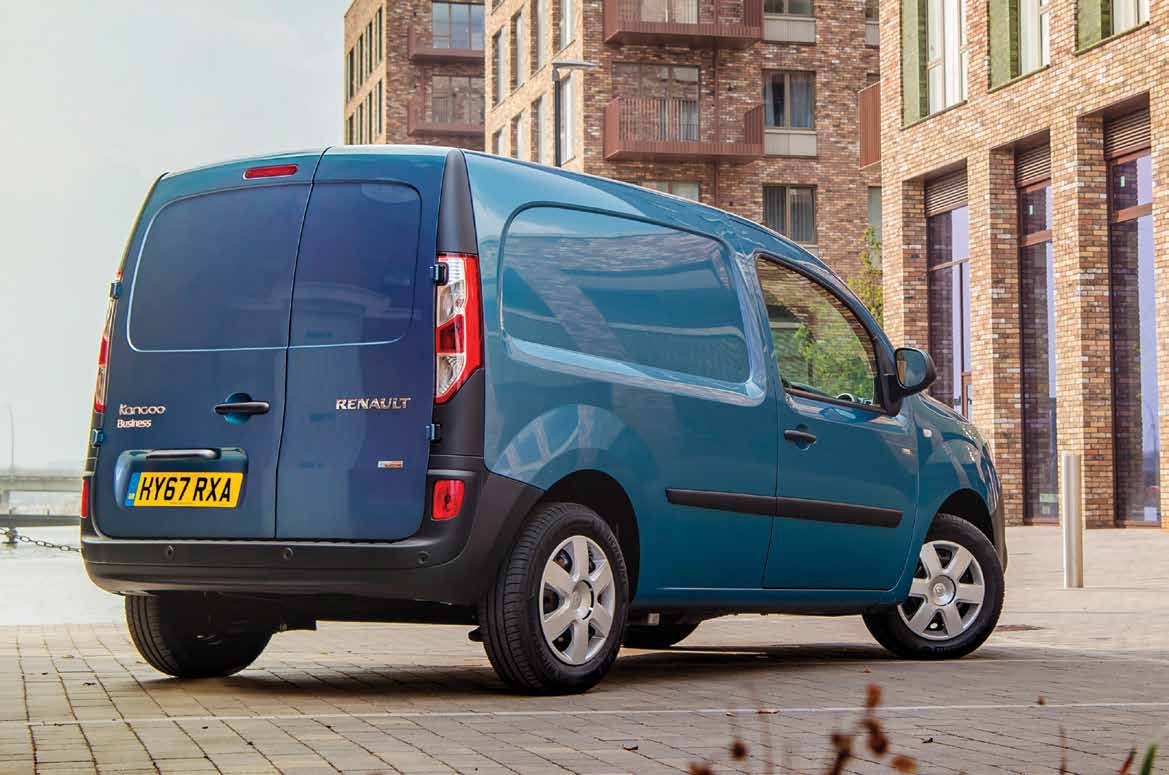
(444,562)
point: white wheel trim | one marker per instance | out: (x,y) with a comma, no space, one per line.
(944,600)
(577,600)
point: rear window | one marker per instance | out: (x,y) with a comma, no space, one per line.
(358,259)
(623,289)
(216,271)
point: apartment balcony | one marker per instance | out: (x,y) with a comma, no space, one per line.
(419,49)
(692,23)
(421,121)
(869,123)
(672,129)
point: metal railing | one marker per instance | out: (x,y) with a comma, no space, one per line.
(659,118)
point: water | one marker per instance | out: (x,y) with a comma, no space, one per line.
(49,586)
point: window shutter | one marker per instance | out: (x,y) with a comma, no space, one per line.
(1127,134)
(1093,21)
(1032,165)
(913,60)
(945,194)
(1004,40)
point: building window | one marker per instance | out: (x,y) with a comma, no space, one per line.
(456,25)
(379,109)
(1019,32)
(1135,388)
(497,143)
(788,7)
(520,142)
(567,22)
(875,218)
(791,211)
(350,75)
(789,99)
(380,35)
(1037,329)
(946,53)
(361,59)
(369,116)
(661,101)
(540,22)
(1127,14)
(566,140)
(948,261)
(369,47)
(687,189)
(872,10)
(538,118)
(1034,35)
(456,99)
(361,122)
(349,130)
(519,51)
(497,76)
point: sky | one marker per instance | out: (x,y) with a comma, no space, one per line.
(99,98)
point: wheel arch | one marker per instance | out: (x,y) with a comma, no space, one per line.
(604,495)
(968,505)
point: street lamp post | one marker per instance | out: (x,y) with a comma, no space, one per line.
(563,65)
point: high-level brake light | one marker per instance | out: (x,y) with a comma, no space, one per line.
(458,325)
(271,171)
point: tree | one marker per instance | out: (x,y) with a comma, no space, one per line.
(868,283)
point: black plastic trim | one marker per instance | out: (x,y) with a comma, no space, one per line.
(456,215)
(788,508)
(450,562)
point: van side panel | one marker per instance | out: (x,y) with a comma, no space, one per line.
(617,340)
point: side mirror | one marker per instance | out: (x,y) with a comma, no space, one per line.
(915,370)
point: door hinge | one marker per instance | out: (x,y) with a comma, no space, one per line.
(96,437)
(433,432)
(439,274)
(115,290)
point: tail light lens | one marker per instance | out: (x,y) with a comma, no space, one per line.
(103,356)
(458,325)
(85,498)
(448,499)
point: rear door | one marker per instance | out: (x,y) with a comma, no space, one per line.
(361,359)
(201,325)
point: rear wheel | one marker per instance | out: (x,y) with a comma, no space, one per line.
(552,621)
(954,600)
(179,636)
(660,636)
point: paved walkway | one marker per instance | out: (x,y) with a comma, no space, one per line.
(1091,664)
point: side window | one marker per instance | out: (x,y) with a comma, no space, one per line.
(821,347)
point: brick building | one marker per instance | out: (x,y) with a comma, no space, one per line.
(1023,150)
(414,72)
(748,105)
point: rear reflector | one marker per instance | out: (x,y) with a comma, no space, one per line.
(448,499)
(274,171)
(85,498)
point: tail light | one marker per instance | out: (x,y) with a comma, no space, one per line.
(448,499)
(85,498)
(458,325)
(103,355)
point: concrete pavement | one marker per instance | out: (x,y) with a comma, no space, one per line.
(1092,664)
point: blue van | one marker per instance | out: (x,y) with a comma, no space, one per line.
(414,384)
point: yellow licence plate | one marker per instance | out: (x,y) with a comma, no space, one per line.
(185,488)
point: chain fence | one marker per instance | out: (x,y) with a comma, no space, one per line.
(11,537)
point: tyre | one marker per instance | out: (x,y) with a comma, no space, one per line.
(954,600)
(552,621)
(176,636)
(660,636)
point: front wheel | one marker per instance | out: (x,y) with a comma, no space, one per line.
(954,600)
(552,622)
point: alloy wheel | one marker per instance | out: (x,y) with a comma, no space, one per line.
(946,594)
(577,599)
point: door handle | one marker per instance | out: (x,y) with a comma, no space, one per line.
(183,454)
(243,407)
(799,437)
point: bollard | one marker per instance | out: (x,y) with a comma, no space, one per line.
(1071,492)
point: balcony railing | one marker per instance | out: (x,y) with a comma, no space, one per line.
(421,119)
(673,128)
(869,122)
(420,49)
(695,23)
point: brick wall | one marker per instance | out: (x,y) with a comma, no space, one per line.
(1066,102)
